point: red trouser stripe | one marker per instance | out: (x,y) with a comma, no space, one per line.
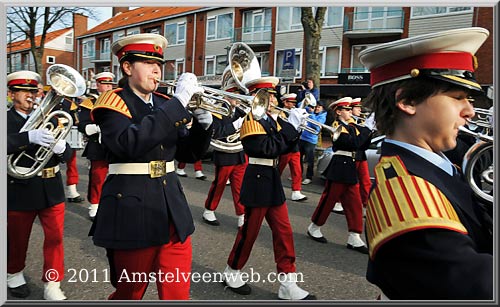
(278,221)
(169,263)
(364,180)
(97,175)
(292,159)
(348,195)
(222,174)
(19,224)
(72,170)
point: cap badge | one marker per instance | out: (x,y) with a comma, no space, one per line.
(474,62)
(414,72)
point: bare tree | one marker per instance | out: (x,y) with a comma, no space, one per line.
(312,25)
(34,21)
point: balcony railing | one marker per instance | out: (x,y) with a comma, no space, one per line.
(98,56)
(374,23)
(252,35)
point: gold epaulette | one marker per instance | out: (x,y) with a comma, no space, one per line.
(251,127)
(219,116)
(111,100)
(405,203)
(162,95)
(87,104)
(335,124)
(73,106)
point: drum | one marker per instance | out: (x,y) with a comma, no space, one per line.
(75,138)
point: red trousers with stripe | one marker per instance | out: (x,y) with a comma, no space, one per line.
(348,195)
(97,175)
(19,225)
(292,159)
(169,264)
(278,221)
(364,180)
(72,170)
(222,174)
(197,165)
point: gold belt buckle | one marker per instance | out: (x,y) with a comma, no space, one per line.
(157,168)
(48,172)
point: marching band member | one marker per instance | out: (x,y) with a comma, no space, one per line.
(143,219)
(94,151)
(262,194)
(342,181)
(228,165)
(41,195)
(429,237)
(361,160)
(292,158)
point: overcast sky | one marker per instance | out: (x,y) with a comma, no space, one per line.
(104,13)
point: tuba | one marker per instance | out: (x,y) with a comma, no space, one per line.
(64,81)
(477,164)
(244,65)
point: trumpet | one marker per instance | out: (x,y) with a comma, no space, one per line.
(360,120)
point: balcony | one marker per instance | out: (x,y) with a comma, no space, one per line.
(374,23)
(252,36)
(97,57)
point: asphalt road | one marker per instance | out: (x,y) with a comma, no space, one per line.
(330,271)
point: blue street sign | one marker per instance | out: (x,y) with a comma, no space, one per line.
(289,59)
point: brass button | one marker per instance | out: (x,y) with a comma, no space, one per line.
(161,147)
(164,182)
(119,195)
(258,176)
(184,120)
(177,124)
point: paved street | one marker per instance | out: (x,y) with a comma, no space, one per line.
(330,271)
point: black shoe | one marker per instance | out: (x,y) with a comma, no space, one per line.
(362,249)
(201,177)
(338,212)
(22,291)
(77,199)
(320,240)
(243,290)
(310,297)
(213,223)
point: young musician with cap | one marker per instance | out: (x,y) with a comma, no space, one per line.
(264,139)
(292,157)
(143,219)
(41,195)
(342,180)
(94,151)
(229,163)
(309,140)
(429,238)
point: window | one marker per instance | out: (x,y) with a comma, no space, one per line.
(371,13)
(263,59)
(257,20)
(356,65)
(289,18)
(329,61)
(333,16)
(220,26)
(437,10)
(88,49)
(133,31)
(69,39)
(105,43)
(176,33)
(215,65)
(51,59)
(297,62)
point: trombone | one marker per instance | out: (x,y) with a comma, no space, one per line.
(311,121)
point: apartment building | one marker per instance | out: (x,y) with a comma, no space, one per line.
(200,38)
(59,48)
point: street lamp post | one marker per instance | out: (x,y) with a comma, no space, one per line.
(10,49)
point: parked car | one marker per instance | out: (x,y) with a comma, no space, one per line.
(372,155)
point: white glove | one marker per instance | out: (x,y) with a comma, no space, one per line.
(204,118)
(297,117)
(237,123)
(59,147)
(370,122)
(92,129)
(41,137)
(187,85)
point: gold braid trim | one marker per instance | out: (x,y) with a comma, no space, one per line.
(219,116)
(110,100)
(405,203)
(87,104)
(251,126)
(73,106)
(335,124)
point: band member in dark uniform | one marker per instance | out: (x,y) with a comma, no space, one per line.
(428,236)
(262,194)
(292,158)
(230,163)
(342,180)
(361,160)
(40,196)
(143,219)
(94,151)
(70,106)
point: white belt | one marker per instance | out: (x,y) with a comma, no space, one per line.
(48,172)
(263,161)
(154,168)
(351,154)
